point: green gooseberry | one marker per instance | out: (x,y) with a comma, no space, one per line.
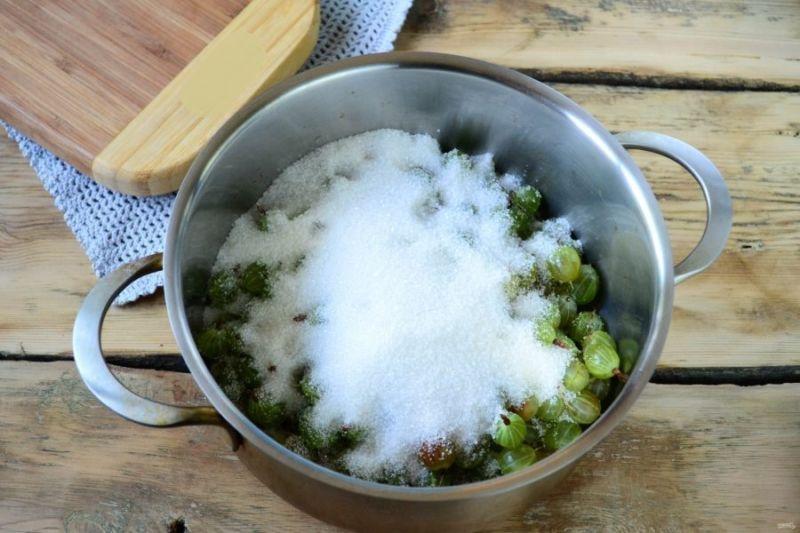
(525,203)
(235,373)
(553,315)
(216,342)
(527,409)
(521,224)
(528,199)
(246,372)
(576,377)
(600,337)
(601,360)
(264,412)
(256,280)
(560,435)
(211,343)
(222,288)
(563,341)
(509,431)
(565,264)
(585,323)
(545,332)
(550,410)
(313,438)
(517,459)
(350,435)
(628,354)
(583,408)
(567,309)
(584,288)
(309,391)
(599,387)
(521,283)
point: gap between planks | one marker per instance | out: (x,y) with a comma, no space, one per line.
(710,375)
(671,82)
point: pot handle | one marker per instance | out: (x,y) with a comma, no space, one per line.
(719,214)
(96,374)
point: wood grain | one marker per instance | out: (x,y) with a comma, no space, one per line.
(744,311)
(701,457)
(128,91)
(266,43)
(74,73)
(44,275)
(733,44)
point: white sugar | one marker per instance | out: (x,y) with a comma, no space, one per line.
(405,255)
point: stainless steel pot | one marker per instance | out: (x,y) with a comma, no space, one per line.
(583,171)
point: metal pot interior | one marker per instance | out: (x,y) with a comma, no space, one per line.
(583,173)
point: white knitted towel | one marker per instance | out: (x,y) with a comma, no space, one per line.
(114,228)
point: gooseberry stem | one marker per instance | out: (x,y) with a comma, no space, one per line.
(620,375)
(505,419)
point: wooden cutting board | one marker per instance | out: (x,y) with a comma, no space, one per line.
(128,91)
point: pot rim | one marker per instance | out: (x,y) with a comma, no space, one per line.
(602,139)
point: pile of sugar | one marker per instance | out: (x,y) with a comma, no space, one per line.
(397,257)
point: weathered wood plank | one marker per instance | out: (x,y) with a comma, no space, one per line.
(44,276)
(742,312)
(672,43)
(700,457)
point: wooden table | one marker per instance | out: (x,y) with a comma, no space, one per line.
(714,443)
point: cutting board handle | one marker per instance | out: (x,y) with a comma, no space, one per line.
(265,43)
